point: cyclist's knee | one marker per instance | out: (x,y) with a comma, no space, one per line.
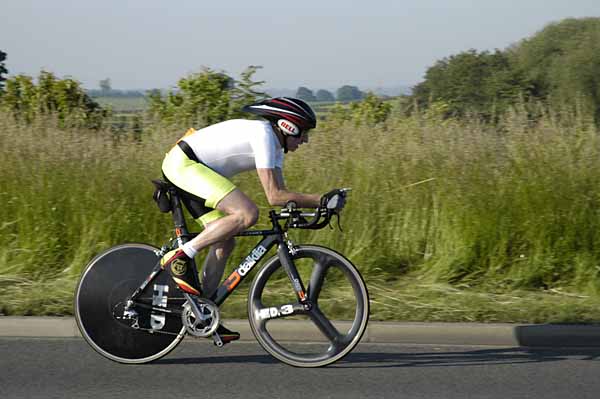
(238,204)
(249,215)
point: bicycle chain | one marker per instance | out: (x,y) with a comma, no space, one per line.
(135,324)
(151,331)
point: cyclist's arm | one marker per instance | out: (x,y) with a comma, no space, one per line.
(277,194)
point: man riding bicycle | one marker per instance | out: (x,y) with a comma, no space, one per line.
(200,166)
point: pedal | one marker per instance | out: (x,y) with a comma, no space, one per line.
(217,340)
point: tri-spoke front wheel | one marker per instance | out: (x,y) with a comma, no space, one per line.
(333,323)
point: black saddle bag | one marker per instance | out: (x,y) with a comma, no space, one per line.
(161,196)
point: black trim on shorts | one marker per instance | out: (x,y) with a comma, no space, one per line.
(187,150)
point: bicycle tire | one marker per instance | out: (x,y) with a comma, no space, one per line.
(319,262)
(109,279)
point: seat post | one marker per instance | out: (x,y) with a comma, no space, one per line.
(181,230)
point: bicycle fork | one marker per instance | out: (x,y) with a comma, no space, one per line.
(285,253)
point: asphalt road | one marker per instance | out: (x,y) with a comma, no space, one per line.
(68,368)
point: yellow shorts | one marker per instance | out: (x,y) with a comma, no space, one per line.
(201,188)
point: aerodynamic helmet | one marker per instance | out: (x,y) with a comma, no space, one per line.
(293,116)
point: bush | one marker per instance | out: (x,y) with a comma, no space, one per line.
(372,110)
(205,98)
(65,98)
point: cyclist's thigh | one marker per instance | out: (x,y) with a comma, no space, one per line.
(237,202)
(200,187)
(196,178)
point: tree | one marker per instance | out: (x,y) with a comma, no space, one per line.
(371,110)
(471,81)
(562,63)
(245,91)
(3,70)
(63,98)
(324,96)
(559,65)
(305,94)
(205,98)
(105,86)
(349,93)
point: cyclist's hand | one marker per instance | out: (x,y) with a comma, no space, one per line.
(335,199)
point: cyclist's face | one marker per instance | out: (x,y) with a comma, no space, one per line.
(295,142)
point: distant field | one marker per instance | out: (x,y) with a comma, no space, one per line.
(137,104)
(123,104)
(124,107)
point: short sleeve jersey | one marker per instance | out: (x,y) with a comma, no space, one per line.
(236,146)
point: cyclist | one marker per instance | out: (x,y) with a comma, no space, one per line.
(201,164)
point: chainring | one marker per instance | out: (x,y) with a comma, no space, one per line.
(207,324)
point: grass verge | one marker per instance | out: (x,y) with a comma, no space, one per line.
(448,220)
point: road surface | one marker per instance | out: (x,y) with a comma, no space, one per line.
(68,368)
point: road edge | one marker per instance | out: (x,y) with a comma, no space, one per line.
(492,334)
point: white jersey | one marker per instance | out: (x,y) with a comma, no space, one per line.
(236,146)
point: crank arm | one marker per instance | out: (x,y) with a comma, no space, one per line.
(217,340)
(194,306)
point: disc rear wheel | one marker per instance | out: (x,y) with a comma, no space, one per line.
(100,304)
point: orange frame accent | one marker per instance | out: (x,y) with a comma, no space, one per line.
(232,281)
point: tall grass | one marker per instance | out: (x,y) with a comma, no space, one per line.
(515,206)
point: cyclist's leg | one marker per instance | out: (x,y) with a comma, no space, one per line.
(212,272)
(214,265)
(212,200)
(240,213)
(183,271)
(234,213)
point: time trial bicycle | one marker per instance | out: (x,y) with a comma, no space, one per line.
(129,310)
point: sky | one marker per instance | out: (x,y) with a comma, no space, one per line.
(142,44)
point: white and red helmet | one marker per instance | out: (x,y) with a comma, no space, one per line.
(291,115)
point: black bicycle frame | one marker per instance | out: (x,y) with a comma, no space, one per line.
(244,268)
(272,237)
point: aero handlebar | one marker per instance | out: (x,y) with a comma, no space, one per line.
(317,219)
